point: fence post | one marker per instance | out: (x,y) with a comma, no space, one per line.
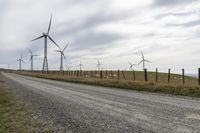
(199,76)
(111,74)
(101,74)
(91,74)
(183,76)
(156,75)
(106,74)
(169,75)
(118,74)
(123,75)
(134,75)
(145,75)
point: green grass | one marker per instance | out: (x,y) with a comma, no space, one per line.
(15,117)
(174,89)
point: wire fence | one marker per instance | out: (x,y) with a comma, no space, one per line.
(137,76)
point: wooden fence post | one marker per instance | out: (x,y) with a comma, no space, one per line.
(111,74)
(145,75)
(169,76)
(123,75)
(118,74)
(199,75)
(91,74)
(101,74)
(134,75)
(95,74)
(156,75)
(183,76)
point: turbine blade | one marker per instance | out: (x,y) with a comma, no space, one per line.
(23,61)
(37,38)
(140,62)
(65,47)
(49,25)
(129,63)
(142,55)
(30,51)
(147,61)
(57,51)
(53,41)
(64,56)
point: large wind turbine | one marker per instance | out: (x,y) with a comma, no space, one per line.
(31,58)
(62,55)
(143,61)
(20,62)
(99,65)
(131,65)
(46,35)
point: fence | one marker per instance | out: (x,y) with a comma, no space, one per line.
(145,76)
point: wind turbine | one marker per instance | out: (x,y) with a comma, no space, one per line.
(80,65)
(143,61)
(45,36)
(131,65)
(99,65)
(20,62)
(31,59)
(61,56)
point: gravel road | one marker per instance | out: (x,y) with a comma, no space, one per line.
(70,107)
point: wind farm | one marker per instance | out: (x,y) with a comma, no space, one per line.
(116,66)
(134,75)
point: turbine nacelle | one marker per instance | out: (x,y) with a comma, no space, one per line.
(44,34)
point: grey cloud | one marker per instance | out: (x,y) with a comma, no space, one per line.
(94,20)
(91,40)
(181,14)
(187,24)
(163,3)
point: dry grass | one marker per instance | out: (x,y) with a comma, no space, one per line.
(15,117)
(192,90)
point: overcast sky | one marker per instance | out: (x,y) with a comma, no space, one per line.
(113,31)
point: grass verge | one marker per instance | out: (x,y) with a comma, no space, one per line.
(182,90)
(15,117)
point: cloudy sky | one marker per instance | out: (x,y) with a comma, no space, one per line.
(113,31)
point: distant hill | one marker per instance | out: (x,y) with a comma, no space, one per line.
(195,75)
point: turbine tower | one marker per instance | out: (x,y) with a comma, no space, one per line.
(46,35)
(80,66)
(99,65)
(20,62)
(31,58)
(62,55)
(143,61)
(131,65)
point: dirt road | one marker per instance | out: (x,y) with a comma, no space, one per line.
(70,107)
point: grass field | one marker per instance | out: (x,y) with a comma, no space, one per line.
(175,88)
(15,117)
(175,79)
